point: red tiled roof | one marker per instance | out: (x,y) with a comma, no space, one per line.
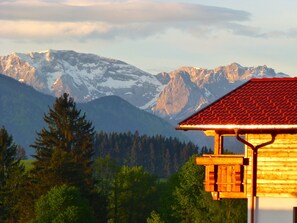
(259,103)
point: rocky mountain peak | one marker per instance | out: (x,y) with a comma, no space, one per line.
(163,77)
(190,88)
(175,96)
(84,76)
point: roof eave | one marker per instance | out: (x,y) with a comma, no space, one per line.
(241,128)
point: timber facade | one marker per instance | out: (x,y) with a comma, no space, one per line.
(262,115)
(229,176)
(276,166)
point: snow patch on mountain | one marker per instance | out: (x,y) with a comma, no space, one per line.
(84,76)
(111,83)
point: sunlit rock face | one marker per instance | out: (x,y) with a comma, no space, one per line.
(171,95)
(84,76)
(190,88)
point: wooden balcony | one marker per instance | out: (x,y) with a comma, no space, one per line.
(224,175)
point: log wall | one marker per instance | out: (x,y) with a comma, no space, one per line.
(277,166)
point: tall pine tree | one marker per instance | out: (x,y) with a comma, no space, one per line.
(10,173)
(64,149)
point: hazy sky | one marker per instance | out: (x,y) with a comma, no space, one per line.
(159,35)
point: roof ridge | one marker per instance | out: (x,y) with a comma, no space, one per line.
(265,79)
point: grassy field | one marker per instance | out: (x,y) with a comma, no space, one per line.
(28,164)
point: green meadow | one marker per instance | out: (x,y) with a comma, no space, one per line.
(28,164)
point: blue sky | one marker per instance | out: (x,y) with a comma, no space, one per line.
(158,35)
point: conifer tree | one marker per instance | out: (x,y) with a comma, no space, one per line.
(10,172)
(64,149)
(8,155)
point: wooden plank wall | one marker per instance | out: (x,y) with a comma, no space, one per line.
(277,166)
(230,178)
(223,178)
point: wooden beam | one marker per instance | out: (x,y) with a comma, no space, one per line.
(209,132)
(233,195)
(221,132)
(215,160)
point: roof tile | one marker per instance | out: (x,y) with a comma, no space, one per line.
(266,101)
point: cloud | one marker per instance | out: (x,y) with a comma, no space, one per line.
(118,12)
(37,30)
(74,18)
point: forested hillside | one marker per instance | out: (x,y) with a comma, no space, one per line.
(158,155)
(66,183)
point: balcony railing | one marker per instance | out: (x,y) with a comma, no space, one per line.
(224,175)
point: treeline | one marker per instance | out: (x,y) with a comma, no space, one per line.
(158,155)
(135,196)
(68,185)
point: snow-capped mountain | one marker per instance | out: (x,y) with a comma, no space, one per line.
(84,76)
(190,88)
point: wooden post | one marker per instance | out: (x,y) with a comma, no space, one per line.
(218,150)
(218,144)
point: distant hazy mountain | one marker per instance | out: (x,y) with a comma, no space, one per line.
(113,114)
(22,109)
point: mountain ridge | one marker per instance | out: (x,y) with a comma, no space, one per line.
(84,76)
(22,109)
(190,88)
(171,95)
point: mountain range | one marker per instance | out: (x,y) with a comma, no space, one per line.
(22,109)
(173,95)
(84,76)
(190,88)
(89,78)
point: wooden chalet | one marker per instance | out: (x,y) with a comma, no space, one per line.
(262,115)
